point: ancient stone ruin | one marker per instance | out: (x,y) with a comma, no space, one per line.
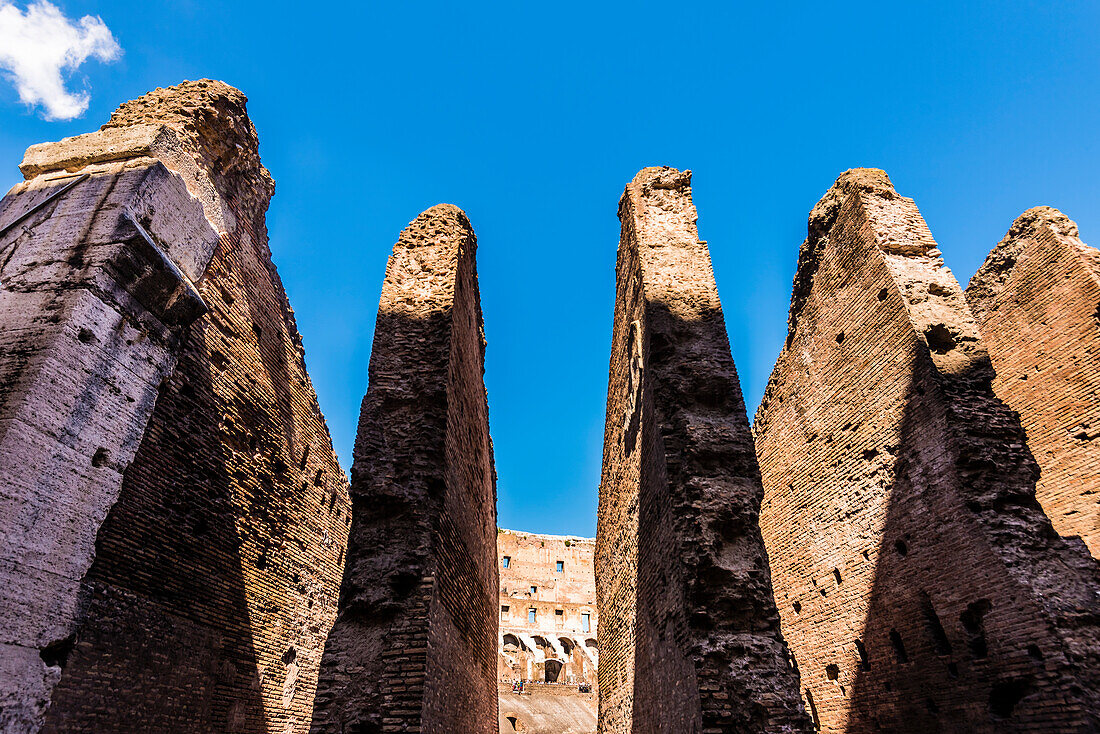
(173,514)
(414,646)
(920,584)
(174,522)
(689,634)
(547,633)
(1037,303)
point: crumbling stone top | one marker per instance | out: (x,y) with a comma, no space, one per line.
(434,225)
(994,273)
(211,117)
(873,181)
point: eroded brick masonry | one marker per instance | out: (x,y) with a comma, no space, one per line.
(172,513)
(1037,303)
(414,646)
(920,584)
(689,634)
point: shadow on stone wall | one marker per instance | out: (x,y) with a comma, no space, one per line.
(958,636)
(167,642)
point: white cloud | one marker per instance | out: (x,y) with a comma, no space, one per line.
(40,45)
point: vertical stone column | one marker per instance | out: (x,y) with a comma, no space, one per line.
(199,581)
(920,584)
(689,635)
(96,287)
(414,646)
(1037,302)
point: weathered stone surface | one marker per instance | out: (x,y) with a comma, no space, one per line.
(548,618)
(921,587)
(184,527)
(689,634)
(1037,302)
(92,305)
(413,648)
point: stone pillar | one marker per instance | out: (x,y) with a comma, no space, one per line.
(97,268)
(172,496)
(414,645)
(689,635)
(920,584)
(1037,302)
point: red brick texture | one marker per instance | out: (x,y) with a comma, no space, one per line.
(920,584)
(689,635)
(1037,303)
(216,571)
(414,646)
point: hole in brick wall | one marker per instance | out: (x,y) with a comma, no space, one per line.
(840,338)
(305,458)
(953,670)
(882,295)
(832,671)
(1035,652)
(864,664)
(901,548)
(836,575)
(869,454)
(899,646)
(798,607)
(436,486)
(56,654)
(1004,697)
(940,642)
(218,359)
(317,481)
(279,465)
(290,655)
(258,331)
(940,339)
(866,555)
(87,336)
(99,458)
(261,561)
(973,620)
(822,592)
(813,710)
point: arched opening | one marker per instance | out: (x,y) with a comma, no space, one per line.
(513,641)
(591,643)
(514,722)
(553,670)
(567,645)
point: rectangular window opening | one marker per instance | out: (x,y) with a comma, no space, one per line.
(561,567)
(534,589)
(531,616)
(584,622)
(506,561)
(559,612)
(504,610)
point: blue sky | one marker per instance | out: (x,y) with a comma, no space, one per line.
(532,117)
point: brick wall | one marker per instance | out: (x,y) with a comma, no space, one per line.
(689,635)
(413,648)
(215,572)
(921,587)
(1037,303)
